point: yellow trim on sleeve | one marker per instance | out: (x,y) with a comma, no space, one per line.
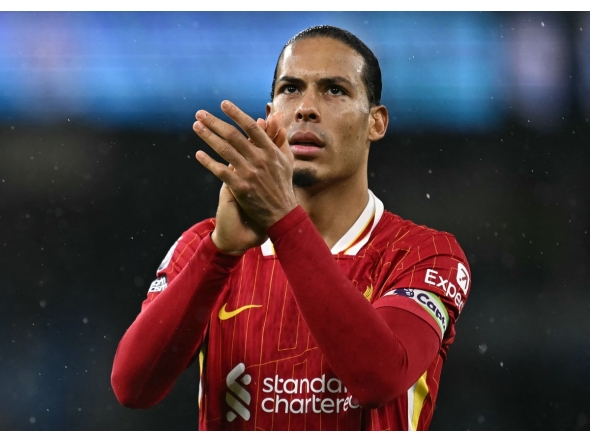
(201,363)
(420,393)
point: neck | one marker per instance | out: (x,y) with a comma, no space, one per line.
(334,209)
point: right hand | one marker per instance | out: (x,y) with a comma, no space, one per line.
(262,181)
(235,232)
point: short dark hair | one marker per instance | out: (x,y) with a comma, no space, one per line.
(371,71)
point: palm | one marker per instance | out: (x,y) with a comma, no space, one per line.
(234,227)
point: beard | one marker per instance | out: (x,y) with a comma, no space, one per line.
(304,178)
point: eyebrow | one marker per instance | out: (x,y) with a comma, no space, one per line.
(322,81)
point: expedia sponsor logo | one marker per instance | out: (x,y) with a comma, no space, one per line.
(237,397)
(463,277)
(282,399)
(158,285)
(429,301)
(450,290)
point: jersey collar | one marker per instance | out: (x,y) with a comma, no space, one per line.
(356,236)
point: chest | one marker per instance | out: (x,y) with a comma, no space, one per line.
(258,312)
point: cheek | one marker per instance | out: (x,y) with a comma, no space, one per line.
(284,106)
(353,141)
(352,130)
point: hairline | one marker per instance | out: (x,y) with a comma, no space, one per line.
(296,39)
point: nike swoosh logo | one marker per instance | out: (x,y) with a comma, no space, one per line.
(225,315)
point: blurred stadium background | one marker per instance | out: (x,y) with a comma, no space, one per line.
(489,139)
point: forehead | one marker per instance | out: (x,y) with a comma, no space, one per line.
(321,57)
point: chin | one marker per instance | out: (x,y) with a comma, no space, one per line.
(305,178)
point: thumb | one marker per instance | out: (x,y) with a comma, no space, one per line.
(281,141)
(274,123)
(261,123)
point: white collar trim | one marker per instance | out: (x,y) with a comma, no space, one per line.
(349,244)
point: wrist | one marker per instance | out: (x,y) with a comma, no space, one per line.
(223,248)
(286,223)
(278,215)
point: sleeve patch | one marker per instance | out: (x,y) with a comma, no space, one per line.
(427,300)
(463,280)
(168,256)
(158,285)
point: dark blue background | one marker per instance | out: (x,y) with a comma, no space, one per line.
(488,140)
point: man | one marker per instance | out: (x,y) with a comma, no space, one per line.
(310,307)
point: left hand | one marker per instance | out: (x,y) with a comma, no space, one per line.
(261,178)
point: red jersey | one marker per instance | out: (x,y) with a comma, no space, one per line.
(261,368)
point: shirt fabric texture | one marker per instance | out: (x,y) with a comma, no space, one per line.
(265,326)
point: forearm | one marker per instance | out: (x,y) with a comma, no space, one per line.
(374,358)
(167,333)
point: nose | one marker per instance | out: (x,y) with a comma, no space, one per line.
(308,109)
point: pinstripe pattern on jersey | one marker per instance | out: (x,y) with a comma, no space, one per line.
(274,340)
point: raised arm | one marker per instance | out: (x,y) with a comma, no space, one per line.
(171,326)
(377,353)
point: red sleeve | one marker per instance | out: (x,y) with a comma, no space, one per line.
(167,333)
(377,353)
(433,283)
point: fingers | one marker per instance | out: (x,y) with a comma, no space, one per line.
(225,148)
(222,172)
(281,141)
(247,123)
(278,131)
(272,127)
(227,141)
(261,123)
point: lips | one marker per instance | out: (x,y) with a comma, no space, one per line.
(306,139)
(305,144)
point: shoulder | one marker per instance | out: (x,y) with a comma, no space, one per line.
(187,243)
(425,265)
(403,234)
(197,232)
(426,259)
(200,229)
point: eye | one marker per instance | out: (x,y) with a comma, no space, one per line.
(335,90)
(289,89)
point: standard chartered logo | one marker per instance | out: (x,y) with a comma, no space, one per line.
(286,395)
(285,399)
(239,392)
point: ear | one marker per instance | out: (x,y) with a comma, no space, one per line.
(268,109)
(378,123)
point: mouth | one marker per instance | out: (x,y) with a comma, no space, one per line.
(306,144)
